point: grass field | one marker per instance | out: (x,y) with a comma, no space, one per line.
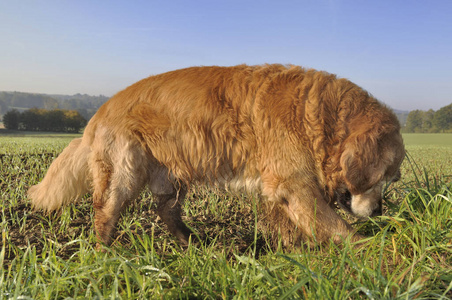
(408,253)
(422,139)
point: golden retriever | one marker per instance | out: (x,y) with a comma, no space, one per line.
(301,139)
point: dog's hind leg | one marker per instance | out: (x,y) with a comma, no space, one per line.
(170,195)
(118,178)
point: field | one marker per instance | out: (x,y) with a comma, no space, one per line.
(407,255)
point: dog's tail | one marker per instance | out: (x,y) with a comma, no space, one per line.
(67,179)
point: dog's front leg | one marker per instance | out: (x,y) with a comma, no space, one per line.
(301,205)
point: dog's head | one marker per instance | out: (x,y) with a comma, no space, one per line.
(367,164)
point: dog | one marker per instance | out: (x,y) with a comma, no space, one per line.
(301,139)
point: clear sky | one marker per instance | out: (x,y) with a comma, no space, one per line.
(400,51)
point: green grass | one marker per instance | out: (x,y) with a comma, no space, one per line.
(431,153)
(408,254)
(423,139)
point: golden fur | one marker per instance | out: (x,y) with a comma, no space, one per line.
(302,139)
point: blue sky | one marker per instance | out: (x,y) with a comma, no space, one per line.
(400,51)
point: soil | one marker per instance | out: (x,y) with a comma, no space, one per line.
(36,230)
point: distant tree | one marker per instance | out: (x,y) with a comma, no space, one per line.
(50,103)
(23,100)
(414,121)
(56,120)
(5,98)
(85,113)
(3,107)
(402,116)
(85,104)
(30,120)
(11,119)
(427,121)
(443,118)
(74,121)
(46,120)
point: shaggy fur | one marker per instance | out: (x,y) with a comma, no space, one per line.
(302,139)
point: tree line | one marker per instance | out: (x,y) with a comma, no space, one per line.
(429,121)
(86,105)
(35,119)
(20,103)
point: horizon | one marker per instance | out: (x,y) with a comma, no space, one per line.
(397,51)
(396,110)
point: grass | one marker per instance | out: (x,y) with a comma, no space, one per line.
(432,140)
(407,255)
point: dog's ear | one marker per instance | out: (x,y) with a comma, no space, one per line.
(361,163)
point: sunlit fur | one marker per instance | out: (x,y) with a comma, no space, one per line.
(293,136)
